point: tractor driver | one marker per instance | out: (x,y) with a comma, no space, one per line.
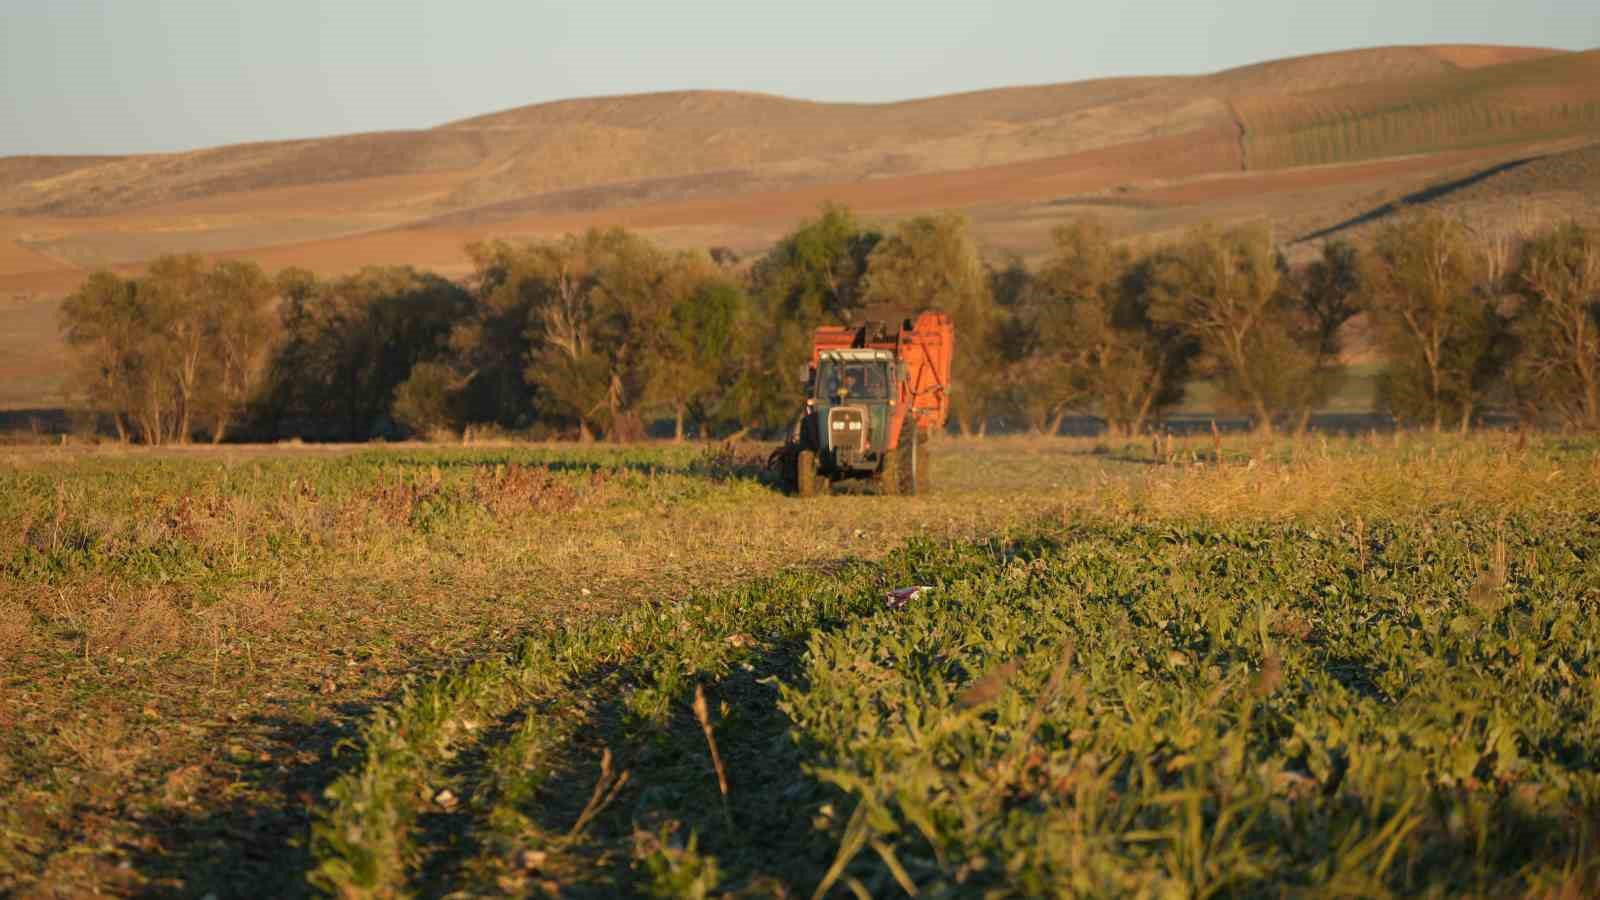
(865,382)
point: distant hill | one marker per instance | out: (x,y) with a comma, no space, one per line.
(1545,97)
(1311,110)
(1316,145)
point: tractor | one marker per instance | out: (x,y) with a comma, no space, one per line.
(875,394)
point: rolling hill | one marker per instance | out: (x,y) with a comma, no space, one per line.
(1314,143)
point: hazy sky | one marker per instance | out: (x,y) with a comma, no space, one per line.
(120,76)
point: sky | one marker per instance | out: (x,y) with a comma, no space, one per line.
(126,76)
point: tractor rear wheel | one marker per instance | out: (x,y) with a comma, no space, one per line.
(890,478)
(808,482)
(920,471)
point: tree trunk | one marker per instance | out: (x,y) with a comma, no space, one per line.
(1435,399)
(677,426)
(585,436)
(152,422)
(1263,424)
(1055,424)
(1303,422)
(1591,396)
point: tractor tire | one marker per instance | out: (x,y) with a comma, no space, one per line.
(808,482)
(890,478)
(788,472)
(911,462)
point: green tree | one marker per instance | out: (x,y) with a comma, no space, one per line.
(1559,324)
(243,326)
(181,349)
(1036,369)
(173,294)
(1225,290)
(598,303)
(103,327)
(426,402)
(1096,324)
(816,274)
(1436,326)
(932,262)
(700,344)
(813,276)
(1325,295)
(350,342)
(492,346)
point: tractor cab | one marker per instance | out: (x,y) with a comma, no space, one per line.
(852,402)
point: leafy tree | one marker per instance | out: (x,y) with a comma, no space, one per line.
(425,402)
(103,327)
(1436,326)
(492,346)
(243,326)
(1035,369)
(596,305)
(1096,328)
(816,274)
(813,276)
(932,262)
(174,297)
(699,346)
(1325,295)
(350,342)
(1225,290)
(181,348)
(1559,325)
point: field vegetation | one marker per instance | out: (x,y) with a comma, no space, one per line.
(185,635)
(1357,687)
(1214,664)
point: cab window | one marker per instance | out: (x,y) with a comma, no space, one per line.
(865,381)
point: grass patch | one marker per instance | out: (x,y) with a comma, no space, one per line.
(1353,666)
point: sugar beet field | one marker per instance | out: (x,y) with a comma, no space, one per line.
(1330,667)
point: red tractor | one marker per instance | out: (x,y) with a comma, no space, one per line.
(876,393)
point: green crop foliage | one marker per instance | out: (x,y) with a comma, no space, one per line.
(1122,703)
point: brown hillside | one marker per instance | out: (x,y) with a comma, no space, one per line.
(21,170)
(1545,97)
(1309,144)
(1577,171)
(1514,195)
(645,148)
(1485,131)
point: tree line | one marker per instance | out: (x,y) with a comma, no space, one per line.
(606,335)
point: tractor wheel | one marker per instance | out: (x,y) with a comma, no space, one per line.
(890,478)
(921,471)
(808,481)
(911,462)
(788,471)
